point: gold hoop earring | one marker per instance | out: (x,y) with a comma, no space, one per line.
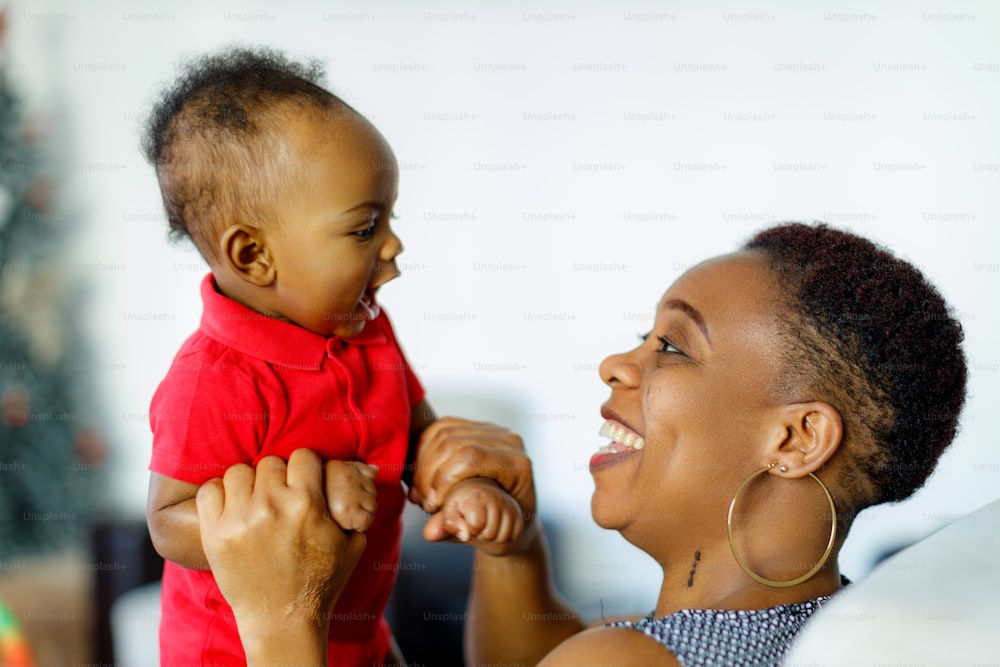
(797,580)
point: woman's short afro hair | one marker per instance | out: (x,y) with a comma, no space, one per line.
(871,336)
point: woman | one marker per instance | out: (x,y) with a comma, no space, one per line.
(783,389)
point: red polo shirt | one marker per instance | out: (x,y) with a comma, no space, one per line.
(245,386)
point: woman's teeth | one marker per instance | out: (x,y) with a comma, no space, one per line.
(620,436)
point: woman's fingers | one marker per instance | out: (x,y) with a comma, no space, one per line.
(453,449)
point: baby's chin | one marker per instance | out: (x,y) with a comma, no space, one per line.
(353,327)
(345,325)
(347,328)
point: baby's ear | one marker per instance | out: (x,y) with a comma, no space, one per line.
(243,248)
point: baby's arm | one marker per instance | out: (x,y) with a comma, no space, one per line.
(172,517)
(421,417)
(478,509)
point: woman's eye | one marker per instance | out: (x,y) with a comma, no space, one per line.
(666,347)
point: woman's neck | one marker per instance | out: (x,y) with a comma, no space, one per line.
(712,579)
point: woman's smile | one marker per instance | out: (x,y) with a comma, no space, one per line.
(624,443)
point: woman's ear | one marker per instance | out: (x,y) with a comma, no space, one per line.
(244,250)
(812,434)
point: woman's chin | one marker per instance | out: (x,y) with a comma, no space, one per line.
(607,514)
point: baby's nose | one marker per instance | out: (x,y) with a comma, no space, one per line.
(391,248)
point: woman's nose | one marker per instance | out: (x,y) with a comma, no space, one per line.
(620,370)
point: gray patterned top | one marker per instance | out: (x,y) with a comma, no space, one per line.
(711,637)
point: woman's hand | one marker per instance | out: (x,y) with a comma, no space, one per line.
(279,559)
(511,583)
(451,450)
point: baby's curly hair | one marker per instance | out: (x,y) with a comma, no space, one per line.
(214,137)
(872,337)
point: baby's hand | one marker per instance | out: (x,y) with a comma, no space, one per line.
(350,494)
(478,510)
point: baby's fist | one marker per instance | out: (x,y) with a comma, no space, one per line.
(350,493)
(477,510)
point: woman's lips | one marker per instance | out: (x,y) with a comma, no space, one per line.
(602,460)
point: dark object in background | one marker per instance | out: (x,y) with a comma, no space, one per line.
(123,558)
(427,607)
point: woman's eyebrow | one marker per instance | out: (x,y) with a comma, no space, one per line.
(690,311)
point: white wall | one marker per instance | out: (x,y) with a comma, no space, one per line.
(536,143)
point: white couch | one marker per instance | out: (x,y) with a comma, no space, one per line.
(934,603)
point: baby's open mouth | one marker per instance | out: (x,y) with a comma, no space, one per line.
(371,308)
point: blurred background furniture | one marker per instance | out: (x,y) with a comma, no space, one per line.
(124,562)
(933,603)
(49,597)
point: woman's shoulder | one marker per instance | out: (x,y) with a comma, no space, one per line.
(610,646)
(760,636)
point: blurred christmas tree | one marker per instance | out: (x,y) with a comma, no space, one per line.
(50,461)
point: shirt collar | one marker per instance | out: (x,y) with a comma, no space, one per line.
(272,340)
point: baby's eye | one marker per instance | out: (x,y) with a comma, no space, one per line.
(367,232)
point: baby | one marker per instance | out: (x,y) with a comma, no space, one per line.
(287,192)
